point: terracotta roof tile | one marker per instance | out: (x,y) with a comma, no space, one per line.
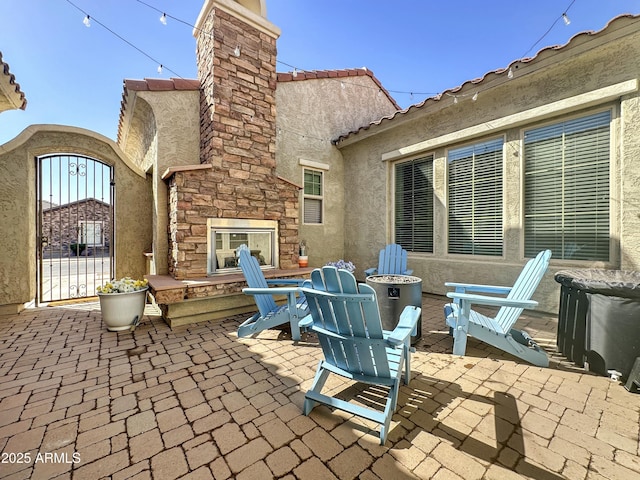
(301,75)
(154,85)
(20,97)
(491,74)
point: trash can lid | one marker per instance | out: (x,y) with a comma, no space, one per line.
(616,283)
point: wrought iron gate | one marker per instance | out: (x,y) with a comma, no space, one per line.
(75,226)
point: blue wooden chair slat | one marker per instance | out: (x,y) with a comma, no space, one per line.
(392,260)
(346,318)
(498,331)
(270,314)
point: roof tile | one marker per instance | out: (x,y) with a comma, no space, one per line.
(492,73)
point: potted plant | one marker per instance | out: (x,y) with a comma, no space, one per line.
(122,303)
(303,258)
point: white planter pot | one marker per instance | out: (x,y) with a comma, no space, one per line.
(122,311)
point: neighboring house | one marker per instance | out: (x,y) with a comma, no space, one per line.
(10,95)
(541,154)
(86,222)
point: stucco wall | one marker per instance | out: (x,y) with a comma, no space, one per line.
(18,206)
(554,86)
(164,131)
(311,113)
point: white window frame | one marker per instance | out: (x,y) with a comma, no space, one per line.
(307,196)
(474,202)
(83,232)
(430,158)
(565,253)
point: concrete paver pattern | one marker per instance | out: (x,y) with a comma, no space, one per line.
(78,402)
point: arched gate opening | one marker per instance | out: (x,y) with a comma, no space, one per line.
(75,226)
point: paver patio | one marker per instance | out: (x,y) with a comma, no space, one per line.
(77,401)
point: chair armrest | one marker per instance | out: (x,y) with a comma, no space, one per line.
(370,271)
(285,281)
(407,326)
(306,322)
(463,287)
(492,301)
(270,291)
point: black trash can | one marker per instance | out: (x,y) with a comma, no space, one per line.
(394,292)
(599,318)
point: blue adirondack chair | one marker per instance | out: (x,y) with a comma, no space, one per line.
(391,261)
(498,331)
(347,320)
(269,313)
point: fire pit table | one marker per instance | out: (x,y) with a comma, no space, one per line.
(395,292)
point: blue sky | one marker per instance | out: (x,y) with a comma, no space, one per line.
(72,75)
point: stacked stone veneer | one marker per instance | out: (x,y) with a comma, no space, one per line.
(237,122)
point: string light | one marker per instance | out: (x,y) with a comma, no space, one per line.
(295,72)
(237,51)
(88,18)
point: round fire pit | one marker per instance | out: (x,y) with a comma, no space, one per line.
(395,292)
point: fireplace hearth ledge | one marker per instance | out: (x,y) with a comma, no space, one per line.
(194,300)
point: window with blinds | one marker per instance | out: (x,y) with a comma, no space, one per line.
(566,196)
(475,199)
(413,209)
(312,197)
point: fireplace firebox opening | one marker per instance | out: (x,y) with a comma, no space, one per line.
(225,235)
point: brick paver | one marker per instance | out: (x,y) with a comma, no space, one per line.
(198,402)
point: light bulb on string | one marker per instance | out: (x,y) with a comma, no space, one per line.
(236,52)
(510,73)
(455,99)
(475,97)
(160,69)
(566,19)
(163,19)
(87,21)
(295,72)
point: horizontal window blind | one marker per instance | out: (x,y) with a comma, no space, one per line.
(475,199)
(567,189)
(414,205)
(312,210)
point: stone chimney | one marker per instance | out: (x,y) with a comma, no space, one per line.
(236,55)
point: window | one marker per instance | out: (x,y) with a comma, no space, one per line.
(312,199)
(90,233)
(566,184)
(414,205)
(475,199)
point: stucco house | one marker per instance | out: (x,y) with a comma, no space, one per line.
(541,154)
(472,182)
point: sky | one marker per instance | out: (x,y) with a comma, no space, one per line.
(73,75)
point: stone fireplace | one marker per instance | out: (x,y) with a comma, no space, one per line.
(235,187)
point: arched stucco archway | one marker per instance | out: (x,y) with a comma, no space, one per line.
(132,201)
